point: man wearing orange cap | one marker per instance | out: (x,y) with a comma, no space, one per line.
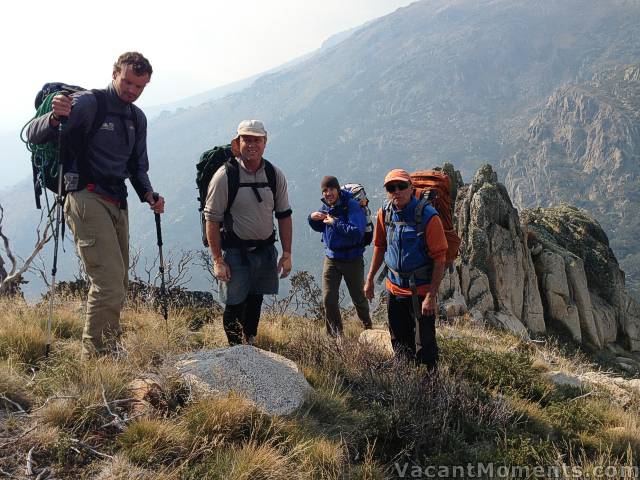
(409,239)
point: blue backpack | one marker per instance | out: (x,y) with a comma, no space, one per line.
(357,192)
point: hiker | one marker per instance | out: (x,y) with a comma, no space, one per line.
(342,223)
(244,255)
(414,253)
(96,202)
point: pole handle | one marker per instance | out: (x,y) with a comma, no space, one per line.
(158,225)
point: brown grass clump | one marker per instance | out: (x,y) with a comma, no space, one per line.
(253,460)
(325,458)
(228,420)
(152,442)
(120,468)
(22,338)
(81,395)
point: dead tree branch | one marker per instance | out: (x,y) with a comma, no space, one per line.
(14,275)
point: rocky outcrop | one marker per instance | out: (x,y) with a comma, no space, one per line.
(548,269)
(584,288)
(269,380)
(495,266)
(583,149)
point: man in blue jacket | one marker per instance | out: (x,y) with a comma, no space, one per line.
(342,223)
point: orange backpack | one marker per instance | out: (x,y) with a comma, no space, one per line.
(435,186)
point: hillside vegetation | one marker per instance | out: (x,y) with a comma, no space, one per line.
(370,417)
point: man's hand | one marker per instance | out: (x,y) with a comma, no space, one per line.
(60,107)
(156,201)
(328,220)
(368,289)
(429,304)
(284,265)
(221,270)
(318,216)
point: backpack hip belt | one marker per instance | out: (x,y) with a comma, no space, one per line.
(231,240)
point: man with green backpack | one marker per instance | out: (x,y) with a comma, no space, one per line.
(243,195)
(104,139)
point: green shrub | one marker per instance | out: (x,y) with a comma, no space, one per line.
(506,372)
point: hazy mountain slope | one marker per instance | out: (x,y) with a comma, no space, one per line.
(219,92)
(584,148)
(435,81)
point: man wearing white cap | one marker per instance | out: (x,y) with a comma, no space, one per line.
(241,236)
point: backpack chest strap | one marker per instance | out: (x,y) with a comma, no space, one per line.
(255,186)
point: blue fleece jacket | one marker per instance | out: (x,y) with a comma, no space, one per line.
(343,239)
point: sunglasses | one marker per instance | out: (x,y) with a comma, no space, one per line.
(392,187)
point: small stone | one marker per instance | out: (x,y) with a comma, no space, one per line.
(561,378)
(377,338)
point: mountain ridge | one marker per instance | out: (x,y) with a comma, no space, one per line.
(432,82)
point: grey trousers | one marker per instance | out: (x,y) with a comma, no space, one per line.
(332,273)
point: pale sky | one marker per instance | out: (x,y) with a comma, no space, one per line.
(193,46)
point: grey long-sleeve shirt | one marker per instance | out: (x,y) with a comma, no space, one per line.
(110,149)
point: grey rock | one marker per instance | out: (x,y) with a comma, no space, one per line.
(450,295)
(563,378)
(475,289)
(507,322)
(271,381)
(594,281)
(494,252)
(553,283)
(604,316)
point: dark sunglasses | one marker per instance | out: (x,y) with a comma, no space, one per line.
(392,187)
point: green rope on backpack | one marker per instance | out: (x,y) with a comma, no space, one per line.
(44,156)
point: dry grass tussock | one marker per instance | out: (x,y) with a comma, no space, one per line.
(490,401)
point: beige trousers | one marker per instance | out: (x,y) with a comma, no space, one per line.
(101,234)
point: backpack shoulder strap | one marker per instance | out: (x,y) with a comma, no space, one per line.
(101,111)
(233,181)
(387,213)
(418,215)
(270,171)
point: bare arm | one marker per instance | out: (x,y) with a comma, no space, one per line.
(285,228)
(220,268)
(429,304)
(376,261)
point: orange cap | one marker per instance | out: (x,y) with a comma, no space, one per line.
(397,175)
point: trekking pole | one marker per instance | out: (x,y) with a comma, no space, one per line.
(163,293)
(56,236)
